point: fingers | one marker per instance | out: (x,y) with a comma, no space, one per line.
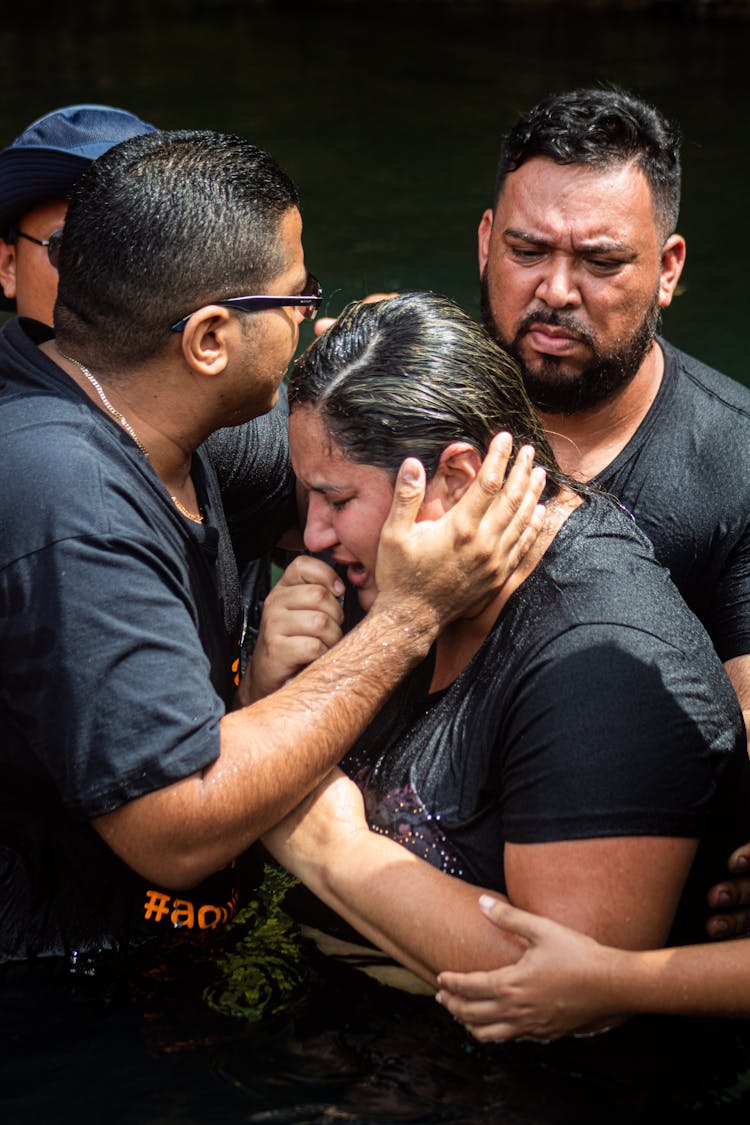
(739,861)
(514,921)
(509,508)
(732,899)
(456,989)
(302,619)
(321,324)
(448,564)
(408,495)
(498,1033)
(523,491)
(520,498)
(497,1018)
(493,469)
(307,569)
(721,926)
(732,896)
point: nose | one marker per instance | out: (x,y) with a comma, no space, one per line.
(319,532)
(558,287)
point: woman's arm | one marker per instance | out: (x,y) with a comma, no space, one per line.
(408,908)
(427,919)
(566,981)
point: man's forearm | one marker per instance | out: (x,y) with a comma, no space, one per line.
(272,754)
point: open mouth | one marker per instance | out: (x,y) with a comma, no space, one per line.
(357,575)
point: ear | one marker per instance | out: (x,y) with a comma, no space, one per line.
(458,466)
(8,269)
(483,236)
(672,261)
(207,339)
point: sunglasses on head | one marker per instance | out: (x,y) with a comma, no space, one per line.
(309,301)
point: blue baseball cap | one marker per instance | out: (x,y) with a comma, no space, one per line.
(46,159)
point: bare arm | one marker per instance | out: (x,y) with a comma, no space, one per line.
(275,751)
(566,981)
(401,903)
(424,918)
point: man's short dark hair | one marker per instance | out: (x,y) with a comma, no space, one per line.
(158,226)
(602,128)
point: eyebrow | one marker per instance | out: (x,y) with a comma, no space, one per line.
(606,246)
(323,486)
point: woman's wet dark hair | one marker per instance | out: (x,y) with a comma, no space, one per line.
(407,376)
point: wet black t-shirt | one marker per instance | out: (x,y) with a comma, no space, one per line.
(119,651)
(595,707)
(685,476)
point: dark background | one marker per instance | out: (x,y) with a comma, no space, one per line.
(389,117)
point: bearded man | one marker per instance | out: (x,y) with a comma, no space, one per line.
(578,256)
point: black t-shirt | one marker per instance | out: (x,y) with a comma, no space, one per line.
(118,657)
(685,476)
(595,707)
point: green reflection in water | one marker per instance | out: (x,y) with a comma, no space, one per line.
(265,972)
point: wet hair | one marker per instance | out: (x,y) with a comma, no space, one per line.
(602,128)
(158,226)
(407,376)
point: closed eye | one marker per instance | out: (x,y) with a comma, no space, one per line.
(605,265)
(526,253)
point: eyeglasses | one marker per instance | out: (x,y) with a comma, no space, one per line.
(52,244)
(309,301)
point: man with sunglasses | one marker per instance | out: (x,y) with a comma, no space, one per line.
(38,172)
(136,769)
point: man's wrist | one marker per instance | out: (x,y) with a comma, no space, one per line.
(410,621)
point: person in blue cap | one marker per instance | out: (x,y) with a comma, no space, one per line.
(38,170)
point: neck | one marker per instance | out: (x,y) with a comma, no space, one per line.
(586,442)
(459,642)
(141,408)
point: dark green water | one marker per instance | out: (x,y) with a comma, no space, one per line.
(267,1031)
(389,117)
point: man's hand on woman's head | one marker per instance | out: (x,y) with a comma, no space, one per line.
(438,568)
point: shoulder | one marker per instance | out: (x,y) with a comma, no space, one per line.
(599,594)
(710,388)
(66,474)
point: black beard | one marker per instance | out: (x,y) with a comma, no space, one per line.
(607,373)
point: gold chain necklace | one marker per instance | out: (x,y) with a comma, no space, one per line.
(127,427)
